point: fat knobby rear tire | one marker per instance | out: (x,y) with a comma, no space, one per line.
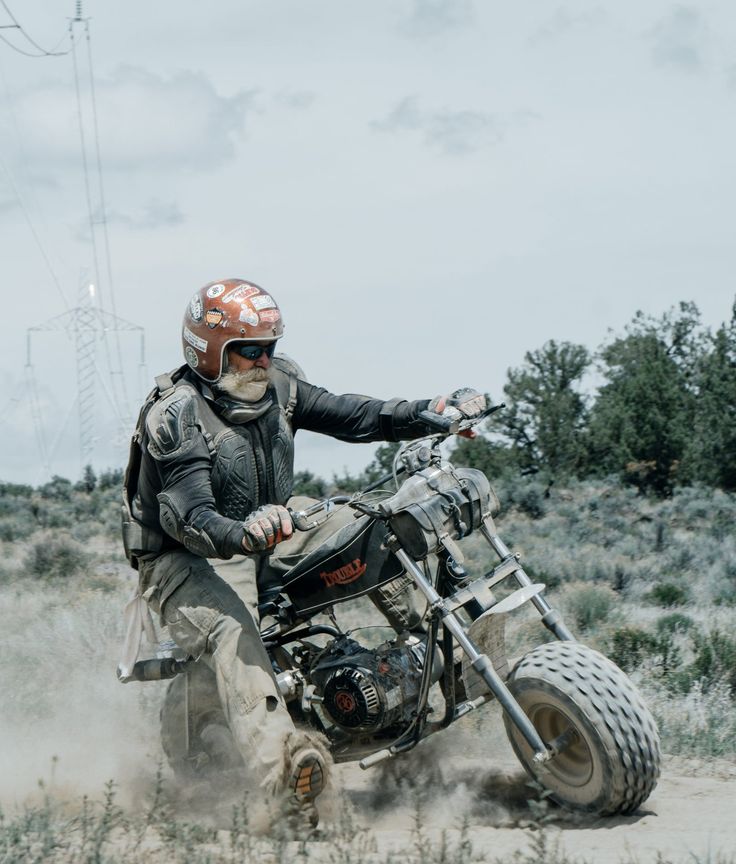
(612,764)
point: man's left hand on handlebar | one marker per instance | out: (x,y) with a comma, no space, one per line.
(464,403)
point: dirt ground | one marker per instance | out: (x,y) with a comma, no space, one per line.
(470,773)
(691,816)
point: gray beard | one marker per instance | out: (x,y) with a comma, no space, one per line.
(247,386)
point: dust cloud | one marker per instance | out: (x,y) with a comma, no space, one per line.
(65,720)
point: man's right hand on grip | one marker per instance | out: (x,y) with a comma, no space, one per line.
(266,527)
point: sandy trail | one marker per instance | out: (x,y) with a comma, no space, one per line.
(691,816)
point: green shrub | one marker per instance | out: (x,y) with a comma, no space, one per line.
(621,579)
(668,594)
(60,517)
(550,579)
(15,490)
(726,596)
(589,605)
(531,503)
(700,723)
(307,483)
(57,489)
(675,623)
(714,663)
(110,479)
(17,527)
(57,556)
(630,646)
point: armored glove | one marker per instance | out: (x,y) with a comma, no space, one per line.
(464,403)
(266,527)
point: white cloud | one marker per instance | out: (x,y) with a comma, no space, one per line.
(679,39)
(146,217)
(297,100)
(452,132)
(433,17)
(563,21)
(146,121)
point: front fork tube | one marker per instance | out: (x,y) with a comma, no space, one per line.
(480,662)
(551,619)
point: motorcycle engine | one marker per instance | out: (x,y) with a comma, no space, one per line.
(366,690)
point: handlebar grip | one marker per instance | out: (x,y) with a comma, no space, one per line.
(438,422)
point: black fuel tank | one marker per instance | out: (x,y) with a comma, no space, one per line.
(351,563)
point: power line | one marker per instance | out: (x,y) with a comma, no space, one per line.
(19,50)
(88,190)
(35,406)
(12,404)
(103,213)
(37,221)
(88,322)
(33,231)
(85,166)
(43,51)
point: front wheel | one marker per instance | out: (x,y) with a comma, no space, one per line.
(609,745)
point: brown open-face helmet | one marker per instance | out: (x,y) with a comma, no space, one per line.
(232,310)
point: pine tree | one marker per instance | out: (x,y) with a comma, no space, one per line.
(643,414)
(546,415)
(711,448)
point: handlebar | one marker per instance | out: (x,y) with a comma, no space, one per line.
(440,423)
(448,425)
(300,518)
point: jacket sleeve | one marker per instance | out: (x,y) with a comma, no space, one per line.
(187,509)
(350,417)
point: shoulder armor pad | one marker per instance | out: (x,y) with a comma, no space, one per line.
(172,424)
(284,363)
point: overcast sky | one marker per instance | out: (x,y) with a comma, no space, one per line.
(429,188)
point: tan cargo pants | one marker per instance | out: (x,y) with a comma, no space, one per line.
(206,609)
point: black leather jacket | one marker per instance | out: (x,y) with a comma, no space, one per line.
(208,461)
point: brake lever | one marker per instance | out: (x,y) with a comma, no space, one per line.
(300,518)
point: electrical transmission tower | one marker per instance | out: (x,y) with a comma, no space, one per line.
(88,326)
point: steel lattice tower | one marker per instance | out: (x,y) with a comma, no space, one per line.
(85,336)
(88,327)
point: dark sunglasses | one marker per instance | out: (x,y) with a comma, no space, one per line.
(253,352)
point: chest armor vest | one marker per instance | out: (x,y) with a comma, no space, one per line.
(252,463)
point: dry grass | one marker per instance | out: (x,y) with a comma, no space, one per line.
(654,583)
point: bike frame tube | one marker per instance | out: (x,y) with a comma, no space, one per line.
(480,662)
(551,619)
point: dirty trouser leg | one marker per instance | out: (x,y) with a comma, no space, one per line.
(209,621)
(396,601)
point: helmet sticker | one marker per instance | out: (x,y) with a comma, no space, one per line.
(213,317)
(195,308)
(191,357)
(193,339)
(264,301)
(248,316)
(215,290)
(242,292)
(271,315)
